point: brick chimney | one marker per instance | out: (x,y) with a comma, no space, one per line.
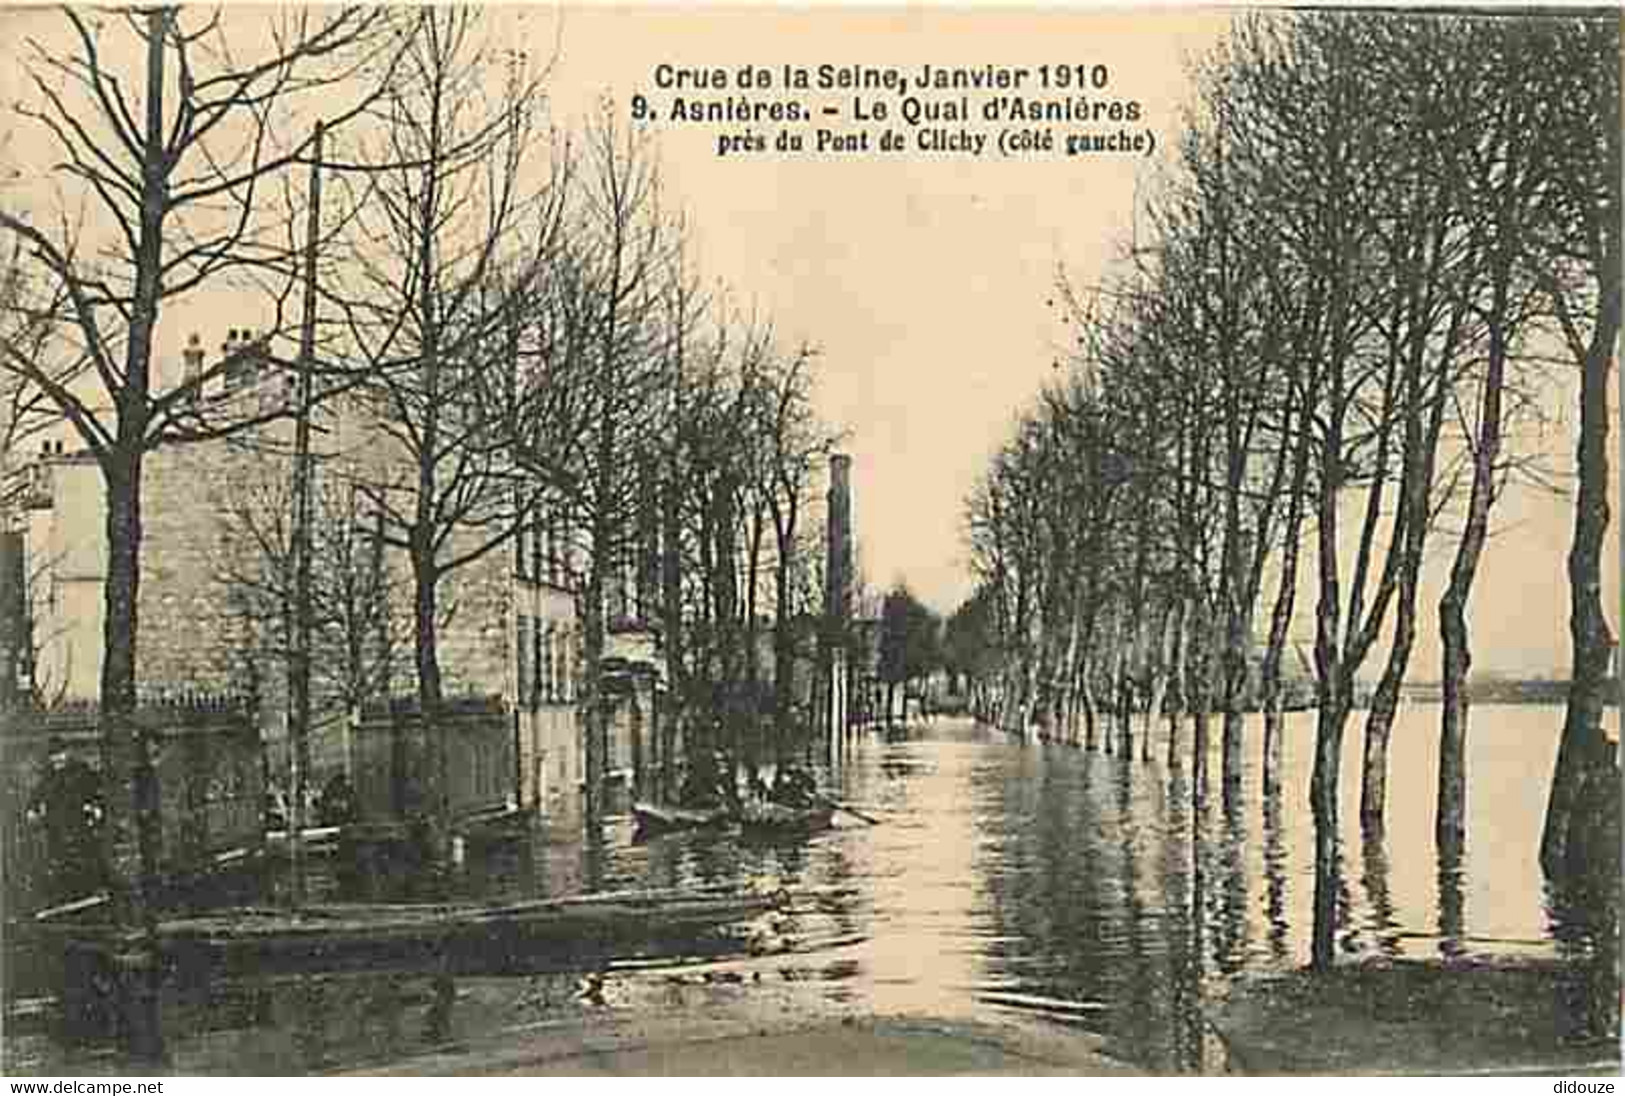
(192,366)
(245,369)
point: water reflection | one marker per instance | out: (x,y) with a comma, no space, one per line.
(1073,887)
(1275,865)
(1452,900)
(1584,915)
(1379,918)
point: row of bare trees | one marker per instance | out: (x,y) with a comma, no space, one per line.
(1388,247)
(512,315)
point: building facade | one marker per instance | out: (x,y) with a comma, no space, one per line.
(213,595)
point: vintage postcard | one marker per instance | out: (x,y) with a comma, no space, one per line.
(841,540)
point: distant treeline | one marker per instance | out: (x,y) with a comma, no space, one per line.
(1513,691)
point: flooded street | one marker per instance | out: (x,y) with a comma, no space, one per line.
(1000,881)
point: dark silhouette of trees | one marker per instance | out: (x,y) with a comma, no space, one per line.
(1345,312)
(170,169)
(445,268)
(1579,258)
(910,643)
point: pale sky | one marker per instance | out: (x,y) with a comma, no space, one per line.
(925,280)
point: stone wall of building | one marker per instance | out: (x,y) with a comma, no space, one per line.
(207,603)
(201,617)
(209,613)
(477,617)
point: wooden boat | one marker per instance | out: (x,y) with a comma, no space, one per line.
(771,820)
(654,819)
(528,936)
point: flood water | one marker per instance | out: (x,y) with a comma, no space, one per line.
(1042,881)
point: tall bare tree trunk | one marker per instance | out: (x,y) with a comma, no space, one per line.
(1449,823)
(1332,695)
(671,639)
(1281,621)
(1199,654)
(1156,687)
(1178,649)
(1584,753)
(132,797)
(1086,698)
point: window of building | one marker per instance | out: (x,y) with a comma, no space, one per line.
(549,685)
(567,665)
(524,663)
(553,565)
(538,667)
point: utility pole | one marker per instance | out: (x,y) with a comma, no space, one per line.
(299,654)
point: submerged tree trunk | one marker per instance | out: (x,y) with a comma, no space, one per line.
(1066,704)
(132,833)
(436,834)
(1086,698)
(594,711)
(1235,603)
(1585,757)
(1285,602)
(1125,707)
(129,778)
(1449,824)
(784,655)
(1379,721)
(1156,691)
(1332,696)
(1200,694)
(1238,627)
(1178,645)
(1412,525)
(1584,753)
(1332,719)
(1114,695)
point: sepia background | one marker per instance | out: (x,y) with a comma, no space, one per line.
(989,873)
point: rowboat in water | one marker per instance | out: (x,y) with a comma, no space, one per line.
(654,819)
(770,820)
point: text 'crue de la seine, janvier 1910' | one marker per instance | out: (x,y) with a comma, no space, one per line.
(832,111)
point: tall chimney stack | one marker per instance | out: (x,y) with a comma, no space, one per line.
(838,549)
(837,708)
(192,366)
(245,369)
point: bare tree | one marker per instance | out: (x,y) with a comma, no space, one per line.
(1581,257)
(444,262)
(357,630)
(1505,178)
(169,163)
(1427,259)
(27,331)
(615,265)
